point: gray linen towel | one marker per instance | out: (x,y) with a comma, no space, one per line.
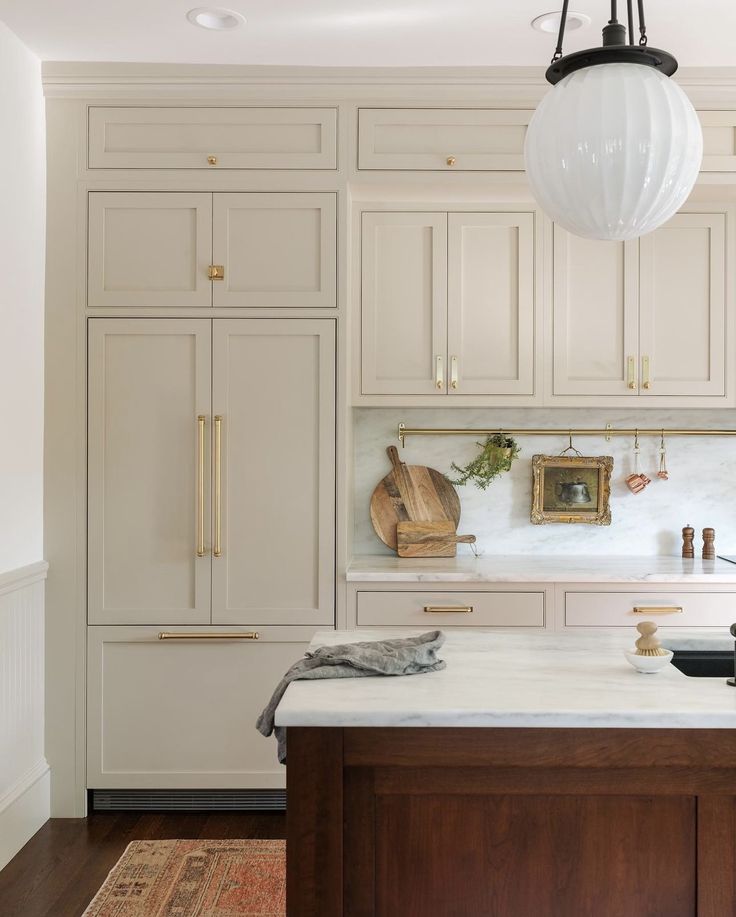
(403,656)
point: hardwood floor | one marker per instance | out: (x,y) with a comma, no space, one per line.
(59,870)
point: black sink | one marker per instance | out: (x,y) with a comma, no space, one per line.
(704,663)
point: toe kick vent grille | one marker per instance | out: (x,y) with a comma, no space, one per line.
(189,800)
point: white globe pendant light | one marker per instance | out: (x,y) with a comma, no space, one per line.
(614,149)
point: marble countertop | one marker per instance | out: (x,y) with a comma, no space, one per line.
(538,569)
(511,680)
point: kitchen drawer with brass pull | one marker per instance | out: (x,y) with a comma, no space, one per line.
(453,609)
(207,635)
(623,609)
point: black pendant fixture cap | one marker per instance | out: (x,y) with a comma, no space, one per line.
(611,54)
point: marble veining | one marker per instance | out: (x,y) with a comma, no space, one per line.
(513,680)
(540,569)
(701,489)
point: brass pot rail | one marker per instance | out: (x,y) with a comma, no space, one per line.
(606,432)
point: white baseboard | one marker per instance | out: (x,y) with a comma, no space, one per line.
(23,810)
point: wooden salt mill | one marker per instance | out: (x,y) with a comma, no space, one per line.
(648,644)
(709,544)
(688,548)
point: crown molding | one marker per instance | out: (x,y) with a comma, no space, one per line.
(498,86)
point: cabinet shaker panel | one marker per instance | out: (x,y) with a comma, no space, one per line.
(149,382)
(149,249)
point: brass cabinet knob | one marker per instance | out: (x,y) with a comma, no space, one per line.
(451,160)
(212,160)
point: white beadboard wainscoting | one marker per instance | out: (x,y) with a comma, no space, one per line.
(24,772)
(701,489)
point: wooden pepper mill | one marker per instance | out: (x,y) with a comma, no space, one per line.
(709,544)
(688,548)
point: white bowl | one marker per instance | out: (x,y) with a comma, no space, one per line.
(648,665)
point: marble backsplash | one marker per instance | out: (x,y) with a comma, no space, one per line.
(701,489)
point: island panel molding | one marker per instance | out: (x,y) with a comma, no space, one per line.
(628,816)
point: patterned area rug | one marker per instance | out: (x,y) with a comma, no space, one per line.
(195,879)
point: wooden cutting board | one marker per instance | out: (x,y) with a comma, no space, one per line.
(411,493)
(429,539)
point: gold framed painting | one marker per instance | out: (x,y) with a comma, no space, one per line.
(571,488)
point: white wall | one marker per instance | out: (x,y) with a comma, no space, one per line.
(22,180)
(24,773)
(701,489)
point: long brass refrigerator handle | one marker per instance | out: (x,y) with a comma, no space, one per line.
(201,420)
(217,543)
(245,635)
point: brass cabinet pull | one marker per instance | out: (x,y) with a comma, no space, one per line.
(245,635)
(631,372)
(453,373)
(200,485)
(646,381)
(658,609)
(451,160)
(448,609)
(439,372)
(217,544)
(216,272)
(212,160)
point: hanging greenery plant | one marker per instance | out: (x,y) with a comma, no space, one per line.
(496,457)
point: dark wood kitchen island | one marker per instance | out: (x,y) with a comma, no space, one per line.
(537,776)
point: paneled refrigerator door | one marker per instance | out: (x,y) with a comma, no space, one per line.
(149,433)
(274,471)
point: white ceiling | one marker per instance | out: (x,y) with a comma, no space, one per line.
(393,33)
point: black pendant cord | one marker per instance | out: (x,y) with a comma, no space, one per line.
(630,14)
(614,11)
(642,25)
(561,34)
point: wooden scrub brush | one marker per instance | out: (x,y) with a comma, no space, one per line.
(648,644)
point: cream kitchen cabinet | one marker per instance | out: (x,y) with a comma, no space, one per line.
(205,481)
(181,713)
(130,137)
(152,249)
(447,304)
(645,318)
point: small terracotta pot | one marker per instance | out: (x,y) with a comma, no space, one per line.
(637,482)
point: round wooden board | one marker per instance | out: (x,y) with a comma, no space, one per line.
(411,493)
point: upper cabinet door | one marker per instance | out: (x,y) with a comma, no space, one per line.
(149,384)
(274,472)
(595,316)
(404,303)
(276,249)
(491,303)
(442,139)
(212,138)
(683,316)
(149,249)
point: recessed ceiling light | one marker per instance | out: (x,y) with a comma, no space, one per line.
(550,22)
(215,18)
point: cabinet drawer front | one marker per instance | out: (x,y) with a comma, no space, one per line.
(668,609)
(448,140)
(182,713)
(236,138)
(464,609)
